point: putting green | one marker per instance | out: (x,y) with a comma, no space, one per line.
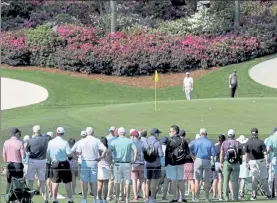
(217,115)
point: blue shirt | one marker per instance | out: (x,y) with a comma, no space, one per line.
(203,148)
(138,143)
(58,149)
(122,146)
(158,148)
(110,139)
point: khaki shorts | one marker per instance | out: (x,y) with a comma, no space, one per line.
(258,168)
(202,169)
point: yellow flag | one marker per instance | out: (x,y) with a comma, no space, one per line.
(156,76)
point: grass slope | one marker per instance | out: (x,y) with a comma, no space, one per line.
(77,102)
(71,100)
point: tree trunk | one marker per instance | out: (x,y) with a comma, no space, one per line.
(113,16)
(237,15)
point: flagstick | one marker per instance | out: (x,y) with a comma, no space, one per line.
(155,96)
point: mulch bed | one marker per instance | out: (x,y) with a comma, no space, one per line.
(165,80)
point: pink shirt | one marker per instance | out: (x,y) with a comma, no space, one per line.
(13,150)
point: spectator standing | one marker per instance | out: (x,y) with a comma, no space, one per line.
(111,137)
(164,180)
(233,83)
(244,171)
(26,159)
(230,158)
(58,152)
(123,159)
(257,161)
(13,154)
(137,174)
(152,153)
(188,85)
(217,173)
(37,148)
(73,165)
(176,151)
(272,149)
(83,135)
(89,148)
(204,150)
(104,173)
(143,134)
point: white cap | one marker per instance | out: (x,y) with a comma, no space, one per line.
(187,73)
(203,131)
(242,139)
(132,130)
(231,132)
(197,136)
(121,130)
(112,128)
(36,128)
(83,133)
(51,134)
(89,130)
(26,137)
(60,130)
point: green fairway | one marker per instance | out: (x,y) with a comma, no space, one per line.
(76,103)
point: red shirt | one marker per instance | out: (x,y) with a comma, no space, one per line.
(13,150)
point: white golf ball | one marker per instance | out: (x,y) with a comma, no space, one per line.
(253,101)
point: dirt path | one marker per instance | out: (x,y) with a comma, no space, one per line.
(166,80)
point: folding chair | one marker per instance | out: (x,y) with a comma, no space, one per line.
(19,192)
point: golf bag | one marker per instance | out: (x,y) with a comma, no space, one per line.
(19,192)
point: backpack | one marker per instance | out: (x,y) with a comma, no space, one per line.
(178,155)
(150,154)
(232,155)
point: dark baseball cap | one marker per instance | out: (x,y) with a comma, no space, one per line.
(164,140)
(254,131)
(275,130)
(155,131)
(13,131)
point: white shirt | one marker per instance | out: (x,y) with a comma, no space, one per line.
(89,148)
(188,82)
(58,149)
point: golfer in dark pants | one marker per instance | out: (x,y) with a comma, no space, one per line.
(233,83)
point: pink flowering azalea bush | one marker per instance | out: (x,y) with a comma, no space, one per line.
(14,50)
(123,54)
(80,49)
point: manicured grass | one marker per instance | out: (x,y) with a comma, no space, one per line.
(78,102)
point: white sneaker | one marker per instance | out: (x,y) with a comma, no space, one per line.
(84,201)
(59,196)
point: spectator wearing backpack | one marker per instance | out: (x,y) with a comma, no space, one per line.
(257,161)
(175,158)
(204,150)
(230,158)
(152,153)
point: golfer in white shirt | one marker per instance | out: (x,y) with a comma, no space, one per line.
(188,85)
